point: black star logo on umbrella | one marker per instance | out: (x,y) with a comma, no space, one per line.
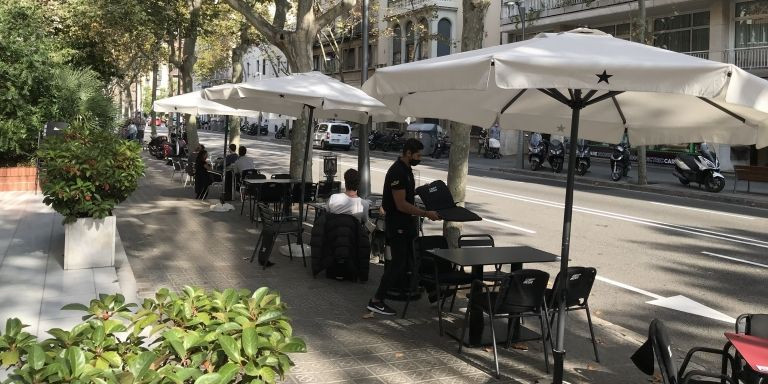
(603,77)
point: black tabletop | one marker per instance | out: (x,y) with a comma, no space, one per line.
(278,181)
(494,255)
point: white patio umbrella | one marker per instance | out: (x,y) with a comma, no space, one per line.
(583,83)
(325,97)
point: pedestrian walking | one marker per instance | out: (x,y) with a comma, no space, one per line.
(401,221)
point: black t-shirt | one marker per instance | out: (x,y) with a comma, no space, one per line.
(399,176)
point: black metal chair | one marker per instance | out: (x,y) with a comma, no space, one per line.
(436,273)
(578,288)
(273,226)
(326,189)
(747,324)
(659,348)
(482,241)
(178,168)
(520,295)
(251,193)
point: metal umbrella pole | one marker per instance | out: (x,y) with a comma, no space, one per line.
(224,163)
(306,160)
(363,153)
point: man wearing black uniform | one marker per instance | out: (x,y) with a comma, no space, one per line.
(401,217)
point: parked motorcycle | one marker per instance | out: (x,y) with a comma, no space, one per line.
(620,161)
(583,160)
(556,156)
(375,140)
(702,168)
(393,142)
(442,147)
(493,149)
(537,151)
(482,142)
(280,133)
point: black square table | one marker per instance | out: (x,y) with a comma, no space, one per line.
(477,258)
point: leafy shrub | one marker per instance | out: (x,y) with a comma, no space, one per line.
(86,172)
(187,337)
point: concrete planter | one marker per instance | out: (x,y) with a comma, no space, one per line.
(90,243)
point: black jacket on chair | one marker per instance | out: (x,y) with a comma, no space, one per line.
(340,245)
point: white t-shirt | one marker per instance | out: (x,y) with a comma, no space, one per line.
(340,203)
(242,163)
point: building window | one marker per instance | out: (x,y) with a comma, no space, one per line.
(444,37)
(349,59)
(621,31)
(682,33)
(424,39)
(751,29)
(370,57)
(397,53)
(409,42)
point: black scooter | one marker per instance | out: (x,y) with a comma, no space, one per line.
(702,168)
(442,147)
(556,156)
(583,161)
(620,161)
(374,140)
(394,142)
(280,133)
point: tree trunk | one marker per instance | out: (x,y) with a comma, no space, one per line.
(642,169)
(237,77)
(127,102)
(458,161)
(188,59)
(154,97)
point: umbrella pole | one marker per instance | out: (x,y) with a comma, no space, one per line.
(559,352)
(306,159)
(364,159)
(224,167)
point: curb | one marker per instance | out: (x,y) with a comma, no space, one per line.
(125,276)
(660,189)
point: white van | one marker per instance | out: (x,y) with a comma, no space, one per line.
(332,134)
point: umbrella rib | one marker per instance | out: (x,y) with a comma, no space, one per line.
(589,95)
(602,97)
(509,104)
(555,94)
(726,110)
(618,108)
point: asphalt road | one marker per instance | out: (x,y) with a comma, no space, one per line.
(645,246)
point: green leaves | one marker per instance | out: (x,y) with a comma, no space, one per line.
(201,337)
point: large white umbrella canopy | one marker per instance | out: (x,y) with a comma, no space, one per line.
(667,97)
(583,83)
(288,95)
(192,103)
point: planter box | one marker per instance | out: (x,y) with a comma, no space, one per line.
(90,243)
(17,179)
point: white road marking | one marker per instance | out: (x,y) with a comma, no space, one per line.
(705,210)
(521,229)
(629,287)
(735,259)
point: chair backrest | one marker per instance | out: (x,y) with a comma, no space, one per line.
(522,291)
(251,174)
(267,216)
(662,350)
(423,243)
(326,189)
(753,324)
(309,192)
(281,176)
(476,240)
(270,192)
(579,286)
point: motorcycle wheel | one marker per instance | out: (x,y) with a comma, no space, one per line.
(534,165)
(558,166)
(385,147)
(581,169)
(683,181)
(323,145)
(616,173)
(372,146)
(714,184)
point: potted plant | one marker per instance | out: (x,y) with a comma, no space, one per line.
(86,171)
(188,337)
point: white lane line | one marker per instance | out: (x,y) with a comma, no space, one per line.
(734,259)
(705,210)
(521,229)
(629,287)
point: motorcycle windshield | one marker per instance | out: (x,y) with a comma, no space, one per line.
(556,143)
(707,153)
(535,139)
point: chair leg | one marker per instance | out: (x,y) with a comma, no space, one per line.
(256,248)
(269,251)
(407,302)
(493,340)
(509,332)
(544,334)
(300,240)
(465,325)
(592,333)
(453,298)
(439,311)
(290,251)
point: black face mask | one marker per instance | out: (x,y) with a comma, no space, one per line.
(414,162)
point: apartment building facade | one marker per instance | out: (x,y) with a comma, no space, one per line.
(732,31)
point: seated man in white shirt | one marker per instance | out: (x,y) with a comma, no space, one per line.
(242,163)
(348,202)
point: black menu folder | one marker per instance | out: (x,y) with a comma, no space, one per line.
(437,197)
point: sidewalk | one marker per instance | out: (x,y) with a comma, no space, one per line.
(177,241)
(33,284)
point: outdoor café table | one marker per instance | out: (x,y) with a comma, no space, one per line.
(276,181)
(753,349)
(477,258)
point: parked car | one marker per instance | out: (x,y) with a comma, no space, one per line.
(332,134)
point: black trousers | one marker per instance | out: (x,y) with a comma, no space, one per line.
(396,270)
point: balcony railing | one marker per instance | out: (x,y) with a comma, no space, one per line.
(397,7)
(699,54)
(747,58)
(545,8)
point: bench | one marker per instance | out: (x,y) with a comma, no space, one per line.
(750,173)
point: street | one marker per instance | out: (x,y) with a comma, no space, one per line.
(646,247)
